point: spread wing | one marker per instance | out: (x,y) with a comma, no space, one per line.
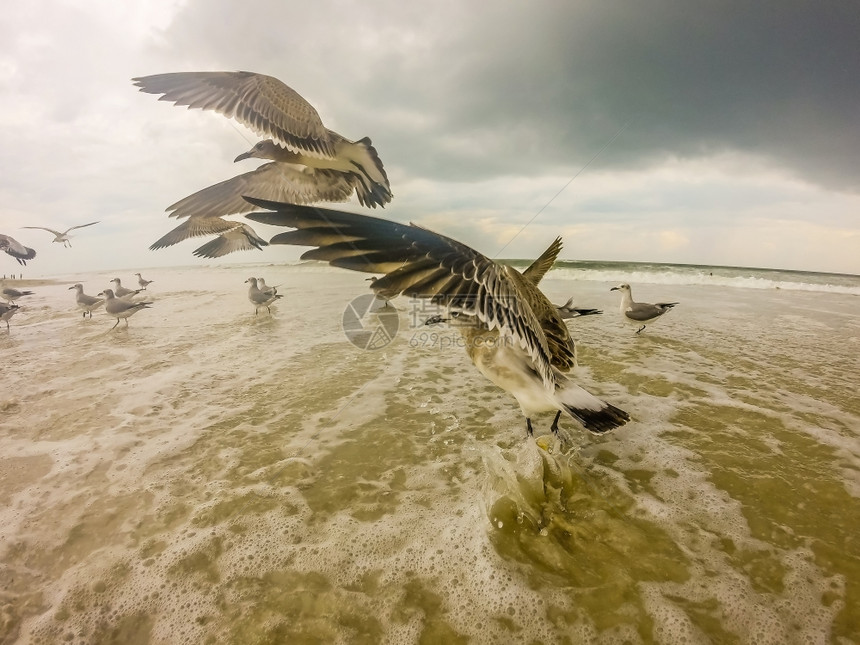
(240,238)
(263,103)
(538,269)
(81,226)
(273,181)
(42,228)
(420,263)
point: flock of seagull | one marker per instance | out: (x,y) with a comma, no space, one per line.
(514,335)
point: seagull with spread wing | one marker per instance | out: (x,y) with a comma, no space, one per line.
(308,163)
(512,332)
(61,236)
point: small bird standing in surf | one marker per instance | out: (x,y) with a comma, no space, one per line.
(260,298)
(63,236)
(640,312)
(119,308)
(10,294)
(121,292)
(85,302)
(568,311)
(7,311)
(143,283)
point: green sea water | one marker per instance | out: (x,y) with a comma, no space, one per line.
(212,476)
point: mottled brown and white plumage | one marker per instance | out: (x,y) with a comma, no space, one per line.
(513,333)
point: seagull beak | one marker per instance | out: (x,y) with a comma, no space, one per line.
(70,288)
(244,155)
(614,289)
(435,320)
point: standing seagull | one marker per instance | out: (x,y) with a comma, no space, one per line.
(262,286)
(513,334)
(17,250)
(61,237)
(119,308)
(260,298)
(85,302)
(7,311)
(640,312)
(121,292)
(143,283)
(567,310)
(10,295)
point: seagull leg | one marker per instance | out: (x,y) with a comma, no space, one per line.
(115,324)
(640,329)
(554,426)
(529,427)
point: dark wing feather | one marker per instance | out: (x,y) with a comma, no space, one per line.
(538,269)
(411,257)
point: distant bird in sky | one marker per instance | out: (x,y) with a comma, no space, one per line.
(511,331)
(11,295)
(260,298)
(640,312)
(141,282)
(61,237)
(119,308)
(121,292)
(17,250)
(568,311)
(85,302)
(308,162)
(7,311)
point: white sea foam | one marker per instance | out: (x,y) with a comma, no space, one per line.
(212,473)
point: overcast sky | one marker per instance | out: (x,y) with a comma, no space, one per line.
(732,127)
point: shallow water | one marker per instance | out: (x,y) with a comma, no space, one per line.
(208,475)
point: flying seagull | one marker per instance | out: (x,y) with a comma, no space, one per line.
(568,311)
(17,250)
(640,312)
(61,237)
(512,333)
(119,308)
(232,236)
(85,302)
(308,163)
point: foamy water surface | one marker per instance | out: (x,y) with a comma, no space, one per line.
(212,476)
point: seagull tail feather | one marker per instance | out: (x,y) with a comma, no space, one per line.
(595,415)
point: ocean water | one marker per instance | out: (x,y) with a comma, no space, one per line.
(208,475)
